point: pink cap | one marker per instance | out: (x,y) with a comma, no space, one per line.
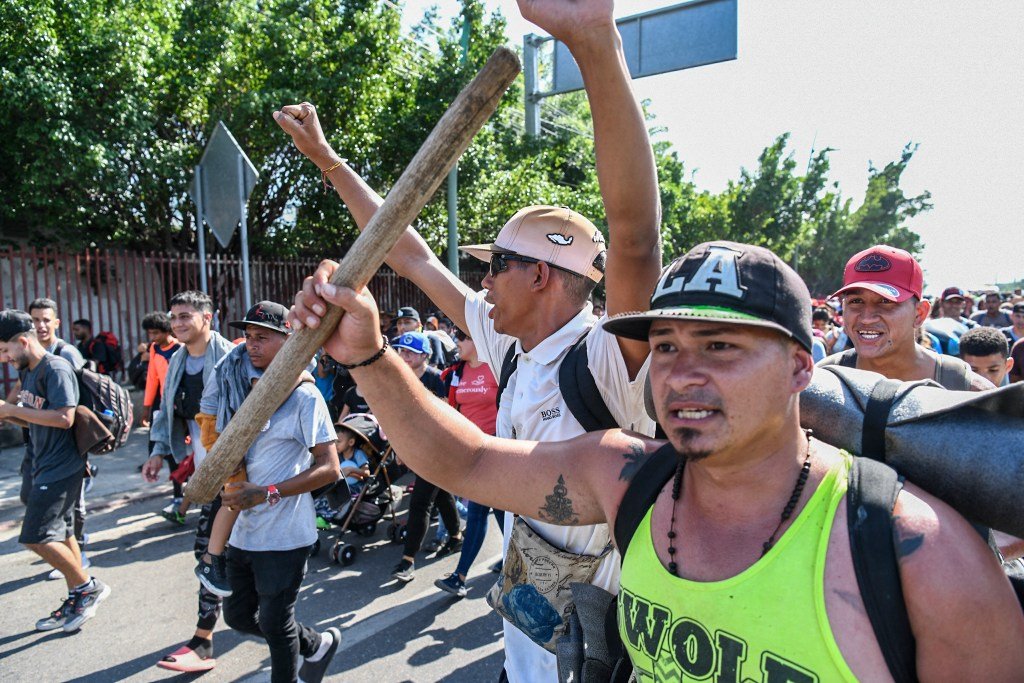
(887,271)
(556,235)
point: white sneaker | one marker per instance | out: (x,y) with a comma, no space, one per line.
(55,574)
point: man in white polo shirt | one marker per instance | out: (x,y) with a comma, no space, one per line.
(544,264)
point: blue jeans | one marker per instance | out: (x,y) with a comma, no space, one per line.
(473,536)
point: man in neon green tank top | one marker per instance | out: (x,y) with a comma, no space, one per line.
(742,569)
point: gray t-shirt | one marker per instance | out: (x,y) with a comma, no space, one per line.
(280,452)
(51,384)
(68,352)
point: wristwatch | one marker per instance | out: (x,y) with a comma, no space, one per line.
(273,495)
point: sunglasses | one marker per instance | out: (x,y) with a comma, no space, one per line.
(499,263)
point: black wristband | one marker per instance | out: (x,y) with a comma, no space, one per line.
(372,359)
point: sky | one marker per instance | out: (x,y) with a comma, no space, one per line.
(864,78)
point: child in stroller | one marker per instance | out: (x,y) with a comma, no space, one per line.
(364,495)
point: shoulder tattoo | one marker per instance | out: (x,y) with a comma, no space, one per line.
(634,459)
(907,542)
(558,506)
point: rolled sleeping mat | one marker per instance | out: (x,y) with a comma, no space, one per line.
(964,447)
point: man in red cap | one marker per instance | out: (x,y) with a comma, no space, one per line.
(882,311)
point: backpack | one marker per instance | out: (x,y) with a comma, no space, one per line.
(112,404)
(109,402)
(576,383)
(113,351)
(951,372)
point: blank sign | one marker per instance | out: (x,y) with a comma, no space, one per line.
(670,39)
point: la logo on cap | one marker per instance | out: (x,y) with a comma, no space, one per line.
(718,273)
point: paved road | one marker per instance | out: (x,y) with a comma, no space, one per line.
(390,632)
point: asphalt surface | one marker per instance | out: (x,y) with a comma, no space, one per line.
(390,631)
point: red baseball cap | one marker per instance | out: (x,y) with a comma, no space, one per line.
(887,271)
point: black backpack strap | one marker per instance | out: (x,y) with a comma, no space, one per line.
(870,497)
(643,490)
(876,418)
(953,373)
(848,358)
(508,366)
(579,389)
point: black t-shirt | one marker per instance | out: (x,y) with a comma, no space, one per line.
(190,391)
(432,381)
(355,402)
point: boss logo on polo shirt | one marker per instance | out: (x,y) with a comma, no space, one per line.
(718,273)
(551,414)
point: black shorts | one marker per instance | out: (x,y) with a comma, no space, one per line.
(49,511)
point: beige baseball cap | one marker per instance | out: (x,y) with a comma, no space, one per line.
(556,235)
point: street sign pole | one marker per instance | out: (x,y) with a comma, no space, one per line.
(531,98)
(453,183)
(201,229)
(246,291)
(683,36)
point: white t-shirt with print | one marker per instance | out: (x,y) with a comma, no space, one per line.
(280,452)
(532,408)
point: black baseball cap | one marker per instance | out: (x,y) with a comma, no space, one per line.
(408,312)
(726,282)
(14,322)
(268,314)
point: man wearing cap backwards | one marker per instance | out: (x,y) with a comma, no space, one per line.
(46,403)
(882,310)
(270,541)
(544,264)
(712,577)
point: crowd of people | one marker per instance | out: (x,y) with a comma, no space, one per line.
(654,438)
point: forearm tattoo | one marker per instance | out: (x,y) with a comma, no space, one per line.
(558,508)
(634,459)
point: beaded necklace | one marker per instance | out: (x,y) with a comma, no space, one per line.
(787,511)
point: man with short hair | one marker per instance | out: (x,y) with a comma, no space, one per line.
(986,351)
(1017,356)
(413,348)
(93,350)
(46,323)
(543,267)
(1015,331)
(715,578)
(162,346)
(47,402)
(882,309)
(993,315)
(187,373)
(271,539)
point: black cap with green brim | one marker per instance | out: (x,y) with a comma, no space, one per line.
(726,282)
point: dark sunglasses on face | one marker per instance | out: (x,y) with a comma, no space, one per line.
(499,263)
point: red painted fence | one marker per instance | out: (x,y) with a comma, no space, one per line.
(115,289)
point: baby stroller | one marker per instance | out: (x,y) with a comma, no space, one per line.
(376,498)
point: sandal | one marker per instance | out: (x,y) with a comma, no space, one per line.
(185,659)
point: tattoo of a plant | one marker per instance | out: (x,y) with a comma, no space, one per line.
(907,542)
(634,459)
(558,508)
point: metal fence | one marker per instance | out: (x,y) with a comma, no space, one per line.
(114,289)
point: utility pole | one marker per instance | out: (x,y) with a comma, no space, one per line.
(453,178)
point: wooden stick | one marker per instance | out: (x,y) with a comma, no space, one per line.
(414,188)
